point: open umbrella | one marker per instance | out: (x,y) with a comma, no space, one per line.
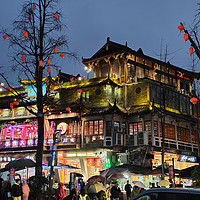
(164,183)
(96,178)
(95,188)
(116,176)
(20,164)
(139,184)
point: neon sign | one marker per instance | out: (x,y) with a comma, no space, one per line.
(186,158)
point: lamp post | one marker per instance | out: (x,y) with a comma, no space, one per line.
(88,70)
(56,135)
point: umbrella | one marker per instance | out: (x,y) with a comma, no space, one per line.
(139,184)
(116,176)
(111,171)
(95,188)
(164,183)
(96,178)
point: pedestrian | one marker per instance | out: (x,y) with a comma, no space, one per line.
(101,195)
(83,195)
(25,190)
(115,191)
(128,190)
(1,189)
(61,192)
(81,185)
(72,195)
(17,190)
(7,189)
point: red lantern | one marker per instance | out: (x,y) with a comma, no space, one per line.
(56,16)
(48,69)
(34,7)
(23,58)
(185,36)
(194,100)
(30,18)
(52,87)
(181,27)
(62,55)
(9,88)
(191,50)
(11,105)
(5,37)
(40,63)
(68,109)
(55,50)
(15,103)
(25,34)
(48,62)
(79,90)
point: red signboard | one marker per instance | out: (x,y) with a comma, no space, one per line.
(12,173)
(171,172)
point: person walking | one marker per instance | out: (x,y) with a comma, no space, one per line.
(115,191)
(17,190)
(61,192)
(25,190)
(128,190)
(83,195)
(72,195)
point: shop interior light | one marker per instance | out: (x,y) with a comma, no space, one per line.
(71,155)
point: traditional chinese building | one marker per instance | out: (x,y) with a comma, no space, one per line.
(116,117)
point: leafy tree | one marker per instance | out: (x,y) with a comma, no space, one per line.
(196,177)
(37,42)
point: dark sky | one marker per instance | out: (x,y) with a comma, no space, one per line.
(142,23)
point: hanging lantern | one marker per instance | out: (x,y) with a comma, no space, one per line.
(55,50)
(194,100)
(25,34)
(52,87)
(40,63)
(68,109)
(11,105)
(48,69)
(185,36)
(9,88)
(79,90)
(48,62)
(191,50)
(5,37)
(181,27)
(15,103)
(62,55)
(23,58)
(56,16)
(34,7)
(30,18)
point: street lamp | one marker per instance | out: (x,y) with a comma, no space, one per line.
(88,70)
(56,136)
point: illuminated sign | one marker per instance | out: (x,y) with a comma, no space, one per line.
(108,164)
(6,159)
(32,90)
(63,127)
(185,158)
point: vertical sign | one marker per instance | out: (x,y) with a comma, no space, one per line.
(12,173)
(171,172)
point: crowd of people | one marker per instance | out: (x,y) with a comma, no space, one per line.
(18,191)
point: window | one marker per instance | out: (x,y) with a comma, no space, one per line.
(116,126)
(195,136)
(108,128)
(147,126)
(155,128)
(134,128)
(130,129)
(93,127)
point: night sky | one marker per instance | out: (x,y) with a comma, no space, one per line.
(142,23)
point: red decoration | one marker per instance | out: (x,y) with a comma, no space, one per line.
(79,90)
(9,88)
(191,50)
(30,18)
(23,58)
(185,36)
(48,62)
(5,37)
(181,27)
(68,109)
(55,50)
(62,55)
(48,69)
(40,63)
(194,100)
(11,105)
(15,103)
(34,7)
(25,34)
(52,87)
(56,16)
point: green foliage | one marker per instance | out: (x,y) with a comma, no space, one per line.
(39,188)
(196,177)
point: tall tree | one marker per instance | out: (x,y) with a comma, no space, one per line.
(37,41)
